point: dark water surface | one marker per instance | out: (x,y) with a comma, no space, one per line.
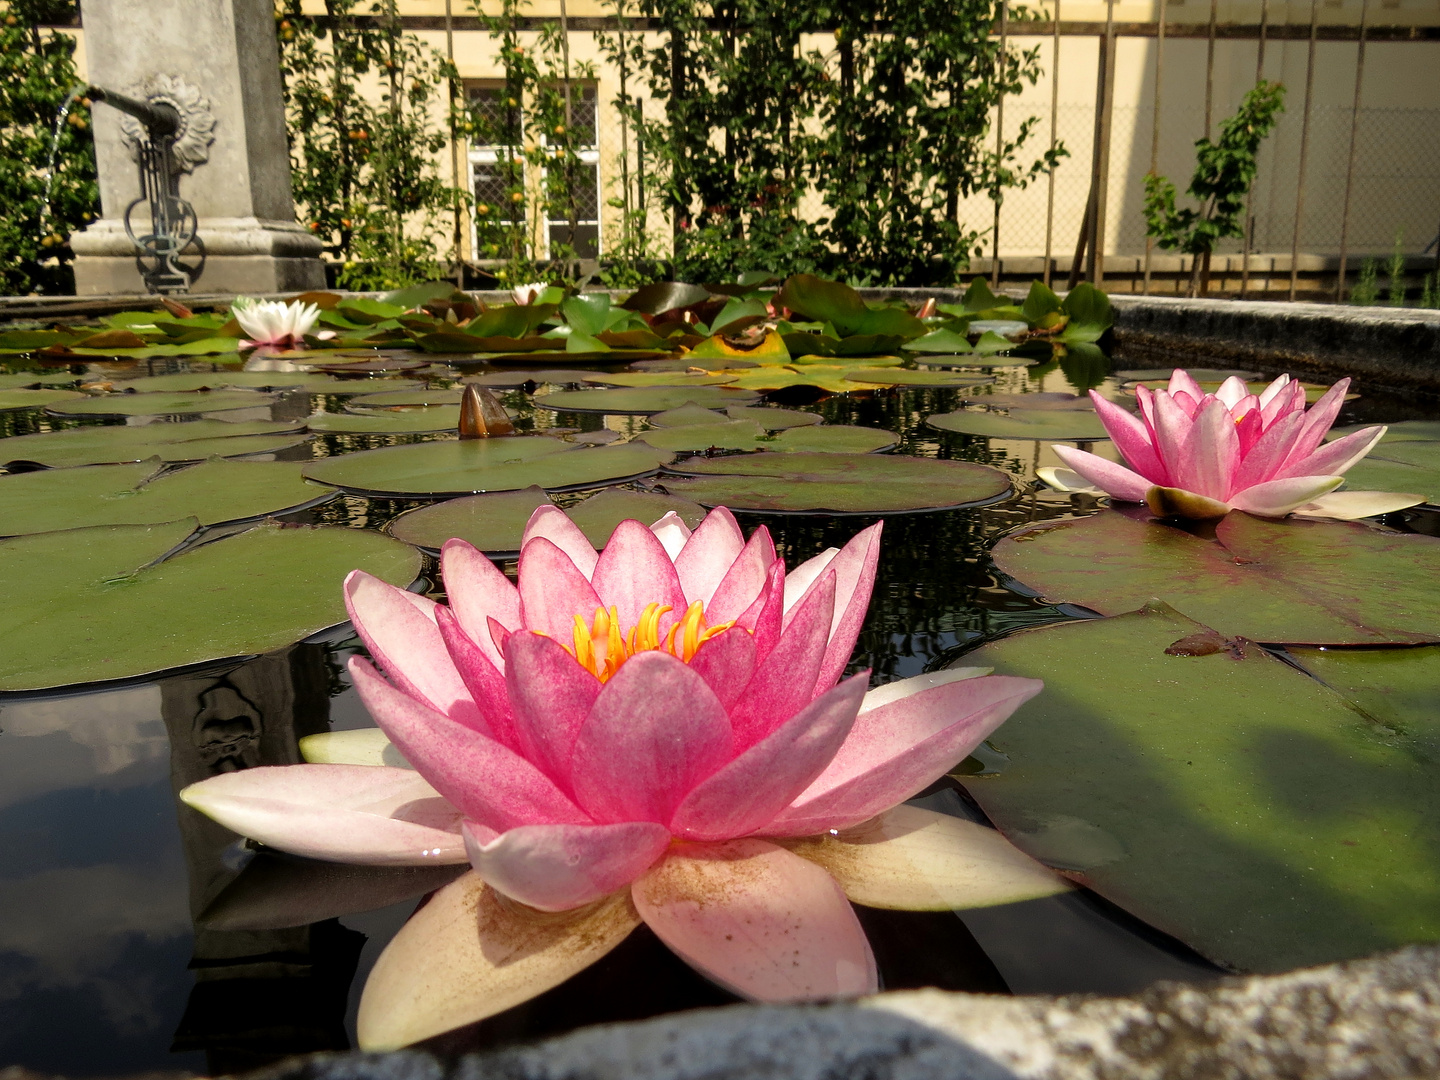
(137,935)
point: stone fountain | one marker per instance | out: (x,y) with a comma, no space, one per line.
(193,160)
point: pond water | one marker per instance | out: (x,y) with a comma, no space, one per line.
(138,936)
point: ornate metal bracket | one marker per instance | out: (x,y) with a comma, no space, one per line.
(168,131)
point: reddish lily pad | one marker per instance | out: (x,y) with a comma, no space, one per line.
(836,483)
(1216,792)
(1312,582)
(479,465)
(495,523)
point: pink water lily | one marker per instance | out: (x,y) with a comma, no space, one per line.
(1198,455)
(656,732)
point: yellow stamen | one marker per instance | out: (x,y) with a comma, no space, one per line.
(601,647)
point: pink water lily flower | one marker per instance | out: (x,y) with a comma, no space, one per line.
(1198,455)
(276,323)
(657,732)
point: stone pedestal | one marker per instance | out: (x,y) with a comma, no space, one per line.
(223,53)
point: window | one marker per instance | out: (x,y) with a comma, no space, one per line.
(495,166)
(584,119)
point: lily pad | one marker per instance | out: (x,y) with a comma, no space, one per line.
(114,613)
(391,399)
(771,419)
(1310,582)
(495,523)
(479,465)
(644,399)
(748,435)
(213,492)
(1034,402)
(509,380)
(163,404)
(907,377)
(21,380)
(687,416)
(1396,688)
(725,435)
(975,360)
(11,400)
(659,378)
(1200,375)
(833,439)
(828,377)
(377,366)
(253,380)
(116,443)
(1215,792)
(836,483)
(419,421)
(1407,459)
(1040,424)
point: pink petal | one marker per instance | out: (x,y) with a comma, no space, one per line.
(553,591)
(559,867)
(1189,405)
(1276,498)
(1269,453)
(1334,458)
(1248,430)
(1146,400)
(341,813)
(1269,393)
(1211,454)
(855,579)
(1181,382)
(799,580)
(707,556)
(478,592)
(1289,398)
(758,920)
(555,525)
(765,618)
(484,681)
(551,694)
(1233,391)
(634,571)
(1115,480)
(1132,438)
(1318,420)
(490,783)
(655,731)
(750,791)
(672,532)
(897,749)
(784,680)
(399,631)
(726,662)
(1172,432)
(743,581)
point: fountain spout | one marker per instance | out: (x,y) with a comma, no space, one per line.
(161,119)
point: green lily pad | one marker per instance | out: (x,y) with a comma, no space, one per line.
(1396,688)
(428,419)
(748,435)
(658,378)
(944,341)
(1215,792)
(688,416)
(478,465)
(1039,402)
(665,296)
(11,400)
(31,379)
(1405,431)
(115,614)
(907,377)
(163,404)
(975,360)
(771,419)
(209,346)
(833,439)
(253,380)
(1309,582)
(213,492)
(644,399)
(725,435)
(391,399)
(1200,375)
(495,523)
(1089,312)
(118,443)
(1041,424)
(1406,459)
(509,380)
(836,483)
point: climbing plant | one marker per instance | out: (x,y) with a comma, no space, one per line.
(364,146)
(1224,171)
(37,73)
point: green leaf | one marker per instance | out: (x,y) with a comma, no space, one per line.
(1089,311)
(991,342)
(587,313)
(479,465)
(737,314)
(495,523)
(1218,794)
(163,404)
(512,320)
(836,483)
(213,492)
(944,340)
(113,615)
(665,296)
(415,296)
(644,399)
(978,297)
(824,301)
(13,400)
(1311,582)
(1044,424)
(120,443)
(1040,302)
(804,344)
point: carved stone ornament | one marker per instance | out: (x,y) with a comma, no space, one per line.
(197,124)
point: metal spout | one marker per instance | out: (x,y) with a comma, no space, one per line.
(160,119)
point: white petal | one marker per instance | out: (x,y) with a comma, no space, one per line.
(1353,505)
(903,688)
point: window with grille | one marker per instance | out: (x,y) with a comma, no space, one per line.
(584,121)
(496,170)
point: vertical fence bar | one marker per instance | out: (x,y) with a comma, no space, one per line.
(1210,66)
(1304,150)
(454,145)
(1102,169)
(1054,112)
(999,142)
(1250,195)
(1155,128)
(1350,166)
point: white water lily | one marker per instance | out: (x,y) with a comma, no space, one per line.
(272,322)
(528,293)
